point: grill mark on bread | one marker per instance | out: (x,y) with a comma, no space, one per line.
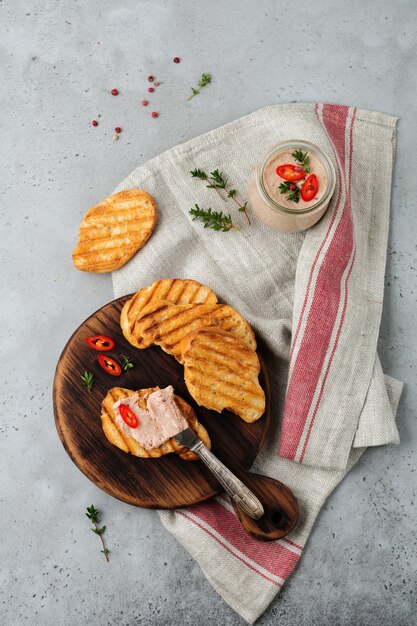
(241,390)
(241,348)
(202,298)
(103,220)
(153,325)
(240,356)
(227,317)
(178,315)
(94,226)
(227,371)
(157,291)
(230,402)
(161,289)
(197,296)
(143,301)
(107,243)
(147,332)
(100,265)
(117,252)
(176,296)
(110,231)
(147,315)
(212,357)
(165,289)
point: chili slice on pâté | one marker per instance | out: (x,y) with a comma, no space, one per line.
(290,172)
(109,365)
(310,188)
(128,416)
(102,343)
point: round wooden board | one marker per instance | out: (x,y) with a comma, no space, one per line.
(167,482)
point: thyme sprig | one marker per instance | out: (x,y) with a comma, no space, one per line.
(127,363)
(218,182)
(203,82)
(88,380)
(303,159)
(197,173)
(216,220)
(291,190)
(93,514)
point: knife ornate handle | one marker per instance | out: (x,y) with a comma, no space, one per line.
(239,493)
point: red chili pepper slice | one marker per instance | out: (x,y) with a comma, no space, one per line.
(109,365)
(128,416)
(310,188)
(101,342)
(290,172)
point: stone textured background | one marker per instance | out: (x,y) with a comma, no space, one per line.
(59,61)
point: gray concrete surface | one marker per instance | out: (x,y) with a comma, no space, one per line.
(59,60)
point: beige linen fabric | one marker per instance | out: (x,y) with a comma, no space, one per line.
(264,275)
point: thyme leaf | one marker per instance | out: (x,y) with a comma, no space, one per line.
(127,363)
(303,159)
(216,220)
(203,82)
(93,514)
(218,182)
(291,190)
(88,380)
(196,173)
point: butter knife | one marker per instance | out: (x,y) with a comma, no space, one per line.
(239,493)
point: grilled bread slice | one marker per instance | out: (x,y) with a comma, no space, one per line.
(165,324)
(221,372)
(114,230)
(174,290)
(118,438)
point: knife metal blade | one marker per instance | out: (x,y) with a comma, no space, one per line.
(189,439)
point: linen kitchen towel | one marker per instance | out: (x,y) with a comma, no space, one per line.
(314,298)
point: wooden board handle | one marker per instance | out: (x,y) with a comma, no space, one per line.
(280,506)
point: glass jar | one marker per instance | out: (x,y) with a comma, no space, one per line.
(274,210)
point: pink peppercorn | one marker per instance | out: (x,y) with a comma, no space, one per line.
(114,92)
(154,114)
(94,123)
(151,89)
(176,59)
(117,129)
(145,103)
(151,79)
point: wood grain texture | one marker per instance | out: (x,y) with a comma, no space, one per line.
(280,506)
(166,482)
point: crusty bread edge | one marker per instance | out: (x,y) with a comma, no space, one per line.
(123,261)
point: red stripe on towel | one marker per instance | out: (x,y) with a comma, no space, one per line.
(342,318)
(273,557)
(316,258)
(292,543)
(223,545)
(329,363)
(325,303)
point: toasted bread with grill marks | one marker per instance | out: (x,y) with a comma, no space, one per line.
(165,324)
(173,290)
(118,438)
(113,230)
(221,372)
